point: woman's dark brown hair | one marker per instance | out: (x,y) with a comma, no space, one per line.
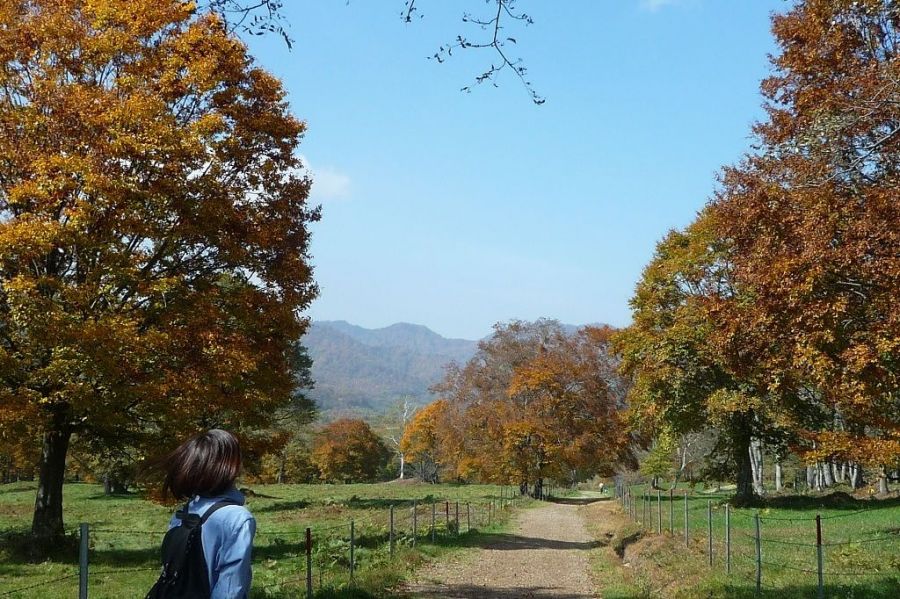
(206,464)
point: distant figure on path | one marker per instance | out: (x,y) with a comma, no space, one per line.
(601,487)
(203,470)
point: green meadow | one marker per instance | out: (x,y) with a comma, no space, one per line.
(126,532)
(860,545)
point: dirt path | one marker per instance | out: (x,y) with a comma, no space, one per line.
(543,557)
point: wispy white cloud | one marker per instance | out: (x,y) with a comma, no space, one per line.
(656,5)
(328,183)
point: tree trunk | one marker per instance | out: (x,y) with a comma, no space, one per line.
(402,466)
(840,474)
(810,476)
(741,439)
(854,475)
(47,523)
(282,464)
(827,474)
(756,465)
(778,476)
(538,488)
(883,481)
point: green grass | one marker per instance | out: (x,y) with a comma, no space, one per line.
(126,532)
(861,544)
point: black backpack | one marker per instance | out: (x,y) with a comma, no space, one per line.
(184,572)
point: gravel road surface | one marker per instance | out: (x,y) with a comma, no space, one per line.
(543,557)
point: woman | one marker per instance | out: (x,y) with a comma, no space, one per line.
(203,469)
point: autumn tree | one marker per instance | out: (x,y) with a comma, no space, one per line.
(533,403)
(659,461)
(153,230)
(424,439)
(392,424)
(778,306)
(479,406)
(281,444)
(291,462)
(813,218)
(683,382)
(348,450)
(572,399)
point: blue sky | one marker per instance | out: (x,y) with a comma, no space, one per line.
(459,210)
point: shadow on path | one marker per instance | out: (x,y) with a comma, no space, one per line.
(511,542)
(469,591)
(577,500)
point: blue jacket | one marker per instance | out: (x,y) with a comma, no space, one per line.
(227,543)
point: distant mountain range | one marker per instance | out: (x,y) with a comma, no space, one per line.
(365,370)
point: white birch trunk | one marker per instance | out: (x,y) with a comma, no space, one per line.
(854,475)
(756,464)
(827,474)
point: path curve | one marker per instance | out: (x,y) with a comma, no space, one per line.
(543,557)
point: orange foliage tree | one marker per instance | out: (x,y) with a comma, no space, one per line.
(814,220)
(684,378)
(153,229)
(804,337)
(423,438)
(348,451)
(533,403)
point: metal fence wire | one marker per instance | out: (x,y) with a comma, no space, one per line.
(820,547)
(325,554)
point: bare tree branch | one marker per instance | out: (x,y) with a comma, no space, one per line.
(496,40)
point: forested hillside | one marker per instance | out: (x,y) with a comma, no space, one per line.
(358,368)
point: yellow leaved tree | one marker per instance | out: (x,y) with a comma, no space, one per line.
(153,230)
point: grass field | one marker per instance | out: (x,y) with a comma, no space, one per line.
(860,545)
(126,532)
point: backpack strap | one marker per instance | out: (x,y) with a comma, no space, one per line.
(184,513)
(216,507)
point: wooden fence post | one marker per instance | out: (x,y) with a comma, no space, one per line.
(709,530)
(644,507)
(433,523)
(728,538)
(415,522)
(672,512)
(820,556)
(83,546)
(392,531)
(633,508)
(632,504)
(457,518)
(352,547)
(658,512)
(468,518)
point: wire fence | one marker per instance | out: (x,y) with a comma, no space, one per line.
(774,551)
(322,555)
